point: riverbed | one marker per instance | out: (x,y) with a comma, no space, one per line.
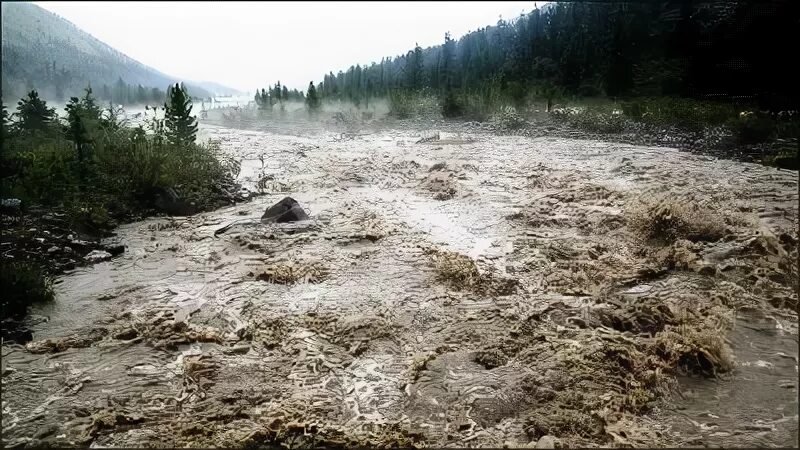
(450,291)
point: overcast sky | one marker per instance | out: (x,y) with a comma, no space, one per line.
(247,45)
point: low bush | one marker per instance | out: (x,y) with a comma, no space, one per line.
(689,114)
(23,284)
(595,119)
(509,118)
(752,129)
(108,170)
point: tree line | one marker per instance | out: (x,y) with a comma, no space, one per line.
(92,157)
(692,49)
(272,95)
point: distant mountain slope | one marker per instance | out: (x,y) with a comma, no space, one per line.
(44,51)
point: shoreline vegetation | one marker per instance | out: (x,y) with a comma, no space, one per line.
(67,183)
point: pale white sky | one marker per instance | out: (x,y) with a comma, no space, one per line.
(247,45)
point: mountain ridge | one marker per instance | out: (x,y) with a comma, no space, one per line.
(44,51)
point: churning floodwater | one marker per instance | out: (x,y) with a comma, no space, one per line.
(471,290)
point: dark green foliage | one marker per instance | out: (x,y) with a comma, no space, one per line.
(5,122)
(23,285)
(621,49)
(451,106)
(180,126)
(83,116)
(414,69)
(594,119)
(752,129)
(683,113)
(312,99)
(100,170)
(33,115)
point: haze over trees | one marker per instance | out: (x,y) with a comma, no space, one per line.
(278,94)
(708,49)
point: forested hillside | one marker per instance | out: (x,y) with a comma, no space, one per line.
(44,51)
(710,49)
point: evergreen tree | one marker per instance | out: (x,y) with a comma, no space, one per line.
(83,117)
(312,100)
(120,94)
(33,114)
(414,69)
(450,105)
(180,126)
(141,94)
(156,95)
(4,124)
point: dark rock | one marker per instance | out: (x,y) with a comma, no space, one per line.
(10,206)
(14,331)
(167,200)
(286,210)
(126,334)
(115,249)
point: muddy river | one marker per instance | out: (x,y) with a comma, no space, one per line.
(471,290)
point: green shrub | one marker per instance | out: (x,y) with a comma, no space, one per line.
(752,129)
(401,104)
(595,119)
(633,109)
(45,174)
(23,284)
(589,90)
(508,118)
(451,105)
(683,113)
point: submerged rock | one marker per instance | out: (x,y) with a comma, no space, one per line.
(286,210)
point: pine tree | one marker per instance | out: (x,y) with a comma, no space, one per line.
(33,114)
(450,106)
(180,126)
(312,100)
(4,124)
(414,68)
(83,117)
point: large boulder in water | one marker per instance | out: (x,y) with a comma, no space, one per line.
(286,210)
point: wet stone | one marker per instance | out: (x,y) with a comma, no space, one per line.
(238,349)
(115,249)
(547,441)
(97,255)
(126,334)
(286,210)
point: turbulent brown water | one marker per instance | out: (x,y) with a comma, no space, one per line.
(474,290)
